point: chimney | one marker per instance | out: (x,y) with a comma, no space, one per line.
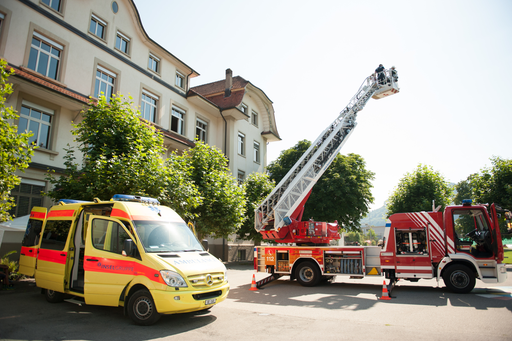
(229,83)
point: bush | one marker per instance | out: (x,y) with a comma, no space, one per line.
(14,275)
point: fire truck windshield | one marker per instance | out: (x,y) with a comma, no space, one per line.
(160,236)
(466,221)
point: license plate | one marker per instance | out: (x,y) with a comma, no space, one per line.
(212,301)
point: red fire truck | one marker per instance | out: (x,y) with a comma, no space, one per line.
(459,245)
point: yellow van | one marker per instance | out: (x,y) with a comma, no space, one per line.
(128,252)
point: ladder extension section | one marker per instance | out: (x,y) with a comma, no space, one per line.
(274,212)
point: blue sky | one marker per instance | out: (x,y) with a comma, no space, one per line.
(454,61)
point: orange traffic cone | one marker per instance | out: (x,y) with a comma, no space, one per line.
(253,284)
(385,295)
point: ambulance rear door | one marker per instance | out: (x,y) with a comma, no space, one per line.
(52,257)
(29,244)
(107,271)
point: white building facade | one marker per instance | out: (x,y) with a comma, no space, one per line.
(65,51)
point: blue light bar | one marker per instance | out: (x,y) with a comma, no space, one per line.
(135,198)
(467,202)
(71,201)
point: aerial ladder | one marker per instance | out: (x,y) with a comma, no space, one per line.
(278,217)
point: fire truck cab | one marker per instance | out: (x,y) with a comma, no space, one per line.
(128,252)
(459,245)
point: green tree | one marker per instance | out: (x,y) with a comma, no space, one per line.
(15,149)
(371,236)
(257,187)
(494,184)
(353,238)
(121,154)
(416,190)
(286,160)
(464,190)
(343,193)
(179,191)
(223,208)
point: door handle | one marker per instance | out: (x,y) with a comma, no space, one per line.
(91,260)
(63,254)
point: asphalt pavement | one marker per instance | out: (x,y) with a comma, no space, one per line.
(347,309)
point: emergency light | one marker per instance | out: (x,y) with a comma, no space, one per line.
(135,198)
(467,202)
(70,201)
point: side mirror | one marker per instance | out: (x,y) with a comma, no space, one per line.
(129,248)
(204,242)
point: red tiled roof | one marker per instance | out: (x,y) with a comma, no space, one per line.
(23,74)
(214,92)
(228,102)
(178,138)
(220,86)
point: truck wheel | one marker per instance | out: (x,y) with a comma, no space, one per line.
(459,278)
(142,309)
(53,296)
(308,274)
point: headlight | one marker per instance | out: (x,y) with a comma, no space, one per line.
(226,275)
(173,279)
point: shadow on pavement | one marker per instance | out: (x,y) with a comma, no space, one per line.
(26,314)
(363,296)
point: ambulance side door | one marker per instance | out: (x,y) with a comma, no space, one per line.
(107,271)
(30,242)
(53,253)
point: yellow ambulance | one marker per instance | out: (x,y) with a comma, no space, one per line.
(129,251)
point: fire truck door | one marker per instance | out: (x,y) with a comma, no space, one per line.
(107,271)
(29,244)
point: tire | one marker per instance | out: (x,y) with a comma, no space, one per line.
(308,274)
(142,309)
(459,278)
(53,296)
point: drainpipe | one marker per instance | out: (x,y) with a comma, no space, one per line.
(225,136)
(227,92)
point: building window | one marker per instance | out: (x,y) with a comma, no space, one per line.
(97,27)
(2,18)
(256,152)
(244,108)
(26,195)
(105,81)
(240,177)
(201,127)
(122,43)
(178,121)
(241,144)
(154,63)
(240,254)
(180,80)
(45,56)
(148,106)
(54,4)
(38,122)
(254,118)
